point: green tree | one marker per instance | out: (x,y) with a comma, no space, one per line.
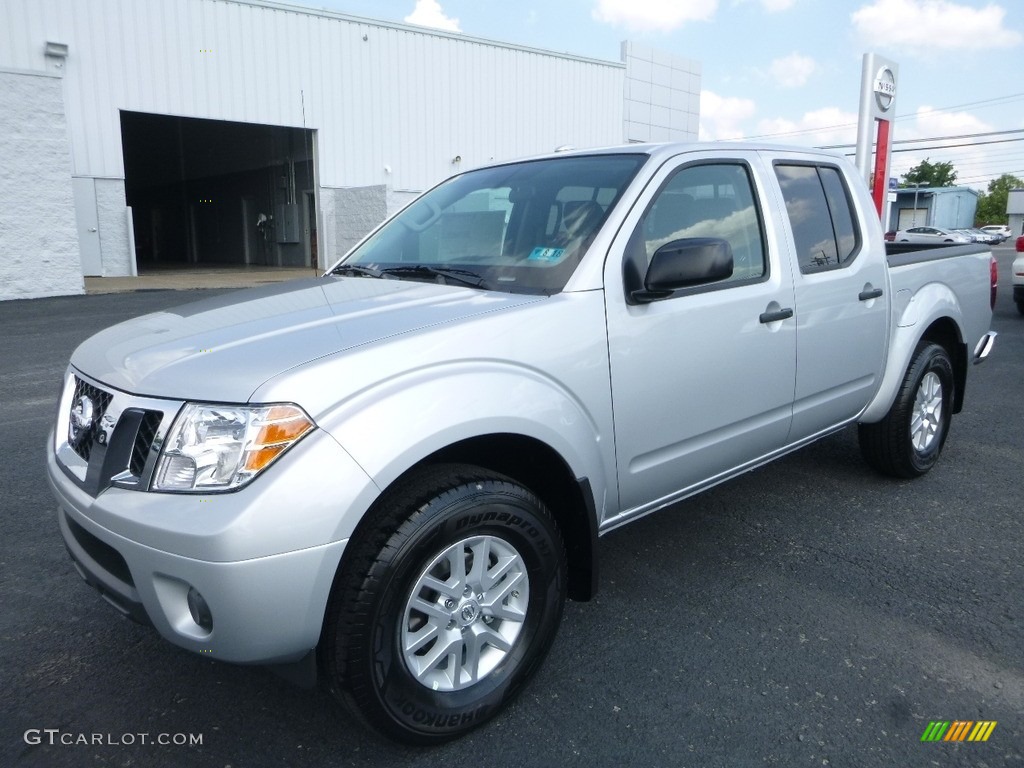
(992,202)
(928,174)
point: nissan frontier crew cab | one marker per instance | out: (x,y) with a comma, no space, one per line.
(394,475)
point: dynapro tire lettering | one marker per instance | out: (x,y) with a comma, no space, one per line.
(441,720)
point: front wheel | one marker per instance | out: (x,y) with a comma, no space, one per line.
(446,603)
(907,442)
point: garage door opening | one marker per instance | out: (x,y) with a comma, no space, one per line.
(213,193)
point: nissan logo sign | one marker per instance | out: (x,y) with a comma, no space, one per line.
(884,88)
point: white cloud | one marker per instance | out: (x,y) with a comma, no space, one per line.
(792,71)
(928,122)
(971,163)
(771,6)
(721,117)
(428,13)
(820,127)
(933,25)
(653,15)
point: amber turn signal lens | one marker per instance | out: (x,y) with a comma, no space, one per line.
(280,428)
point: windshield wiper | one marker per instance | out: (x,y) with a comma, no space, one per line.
(354,269)
(462,276)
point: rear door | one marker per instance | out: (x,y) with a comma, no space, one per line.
(840,284)
(702,380)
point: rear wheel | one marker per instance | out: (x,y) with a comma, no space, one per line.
(446,603)
(1020,307)
(907,442)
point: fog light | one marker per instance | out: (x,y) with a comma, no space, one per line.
(199,609)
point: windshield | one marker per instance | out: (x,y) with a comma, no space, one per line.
(520,228)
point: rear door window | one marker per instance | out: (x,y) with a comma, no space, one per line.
(820,214)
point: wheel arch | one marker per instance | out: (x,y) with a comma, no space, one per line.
(946,333)
(510,420)
(942,328)
(540,468)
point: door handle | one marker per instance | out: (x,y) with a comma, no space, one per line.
(868,295)
(779,314)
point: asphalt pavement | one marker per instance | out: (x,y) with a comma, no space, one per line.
(809,613)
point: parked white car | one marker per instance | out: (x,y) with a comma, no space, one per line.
(930,235)
(1000,230)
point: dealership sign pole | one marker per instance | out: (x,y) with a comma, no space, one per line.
(877,96)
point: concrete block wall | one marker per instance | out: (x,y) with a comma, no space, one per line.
(399,198)
(348,214)
(662,95)
(38,238)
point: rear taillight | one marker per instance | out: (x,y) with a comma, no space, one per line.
(993,267)
(1020,244)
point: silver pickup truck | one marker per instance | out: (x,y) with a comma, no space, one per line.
(394,475)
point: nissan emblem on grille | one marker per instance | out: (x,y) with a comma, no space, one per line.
(82,415)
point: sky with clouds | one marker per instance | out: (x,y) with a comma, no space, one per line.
(789,70)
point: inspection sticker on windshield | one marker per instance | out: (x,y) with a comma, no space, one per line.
(547,255)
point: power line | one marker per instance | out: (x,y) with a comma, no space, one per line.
(970,179)
(988,102)
(962,136)
(938,138)
(945,146)
(952,146)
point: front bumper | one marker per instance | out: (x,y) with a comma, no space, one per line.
(265,611)
(263,558)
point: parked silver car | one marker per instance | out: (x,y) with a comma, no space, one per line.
(926,235)
(976,235)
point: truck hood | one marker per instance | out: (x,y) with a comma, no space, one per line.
(224,348)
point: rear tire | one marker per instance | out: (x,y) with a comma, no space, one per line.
(908,441)
(446,603)
(1020,307)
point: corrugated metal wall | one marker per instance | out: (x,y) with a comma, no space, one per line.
(380,96)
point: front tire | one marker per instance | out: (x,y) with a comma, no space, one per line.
(446,603)
(908,441)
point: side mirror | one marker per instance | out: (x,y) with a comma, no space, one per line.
(685,264)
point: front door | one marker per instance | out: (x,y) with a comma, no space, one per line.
(702,381)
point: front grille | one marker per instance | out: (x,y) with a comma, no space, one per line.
(109,436)
(100,400)
(144,441)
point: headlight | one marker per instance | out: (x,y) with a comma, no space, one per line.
(221,447)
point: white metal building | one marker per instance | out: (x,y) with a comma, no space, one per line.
(144,134)
(1015,211)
